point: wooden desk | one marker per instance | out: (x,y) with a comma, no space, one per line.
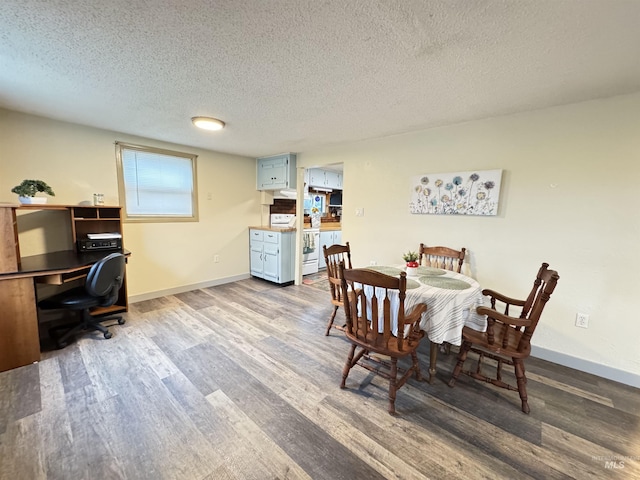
(19,337)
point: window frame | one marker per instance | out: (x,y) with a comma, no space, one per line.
(120,146)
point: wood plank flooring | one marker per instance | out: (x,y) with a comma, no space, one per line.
(238,381)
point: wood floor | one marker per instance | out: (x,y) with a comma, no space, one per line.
(239,382)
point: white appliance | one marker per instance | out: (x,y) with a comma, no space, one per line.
(310,250)
(282,220)
(310,241)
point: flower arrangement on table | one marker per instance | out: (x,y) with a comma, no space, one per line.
(412,262)
(411,258)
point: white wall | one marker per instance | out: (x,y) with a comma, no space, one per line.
(570,197)
(77,161)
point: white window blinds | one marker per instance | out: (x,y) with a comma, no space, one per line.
(157,184)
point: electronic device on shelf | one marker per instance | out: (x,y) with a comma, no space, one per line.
(100,241)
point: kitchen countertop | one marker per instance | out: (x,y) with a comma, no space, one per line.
(275,229)
(325,227)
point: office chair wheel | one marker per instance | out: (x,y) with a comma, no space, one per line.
(121,321)
(107,335)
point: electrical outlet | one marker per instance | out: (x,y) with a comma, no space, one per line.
(582,320)
(359,212)
(216,258)
(373,262)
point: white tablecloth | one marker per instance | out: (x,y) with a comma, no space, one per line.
(447,310)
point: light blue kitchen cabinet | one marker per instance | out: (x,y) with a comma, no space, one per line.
(328,238)
(333,179)
(256,249)
(272,255)
(276,172)
(321,178)
(316,177)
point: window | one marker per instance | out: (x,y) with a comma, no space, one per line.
(156,185)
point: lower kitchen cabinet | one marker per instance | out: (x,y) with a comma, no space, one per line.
(272,255)
(328,238)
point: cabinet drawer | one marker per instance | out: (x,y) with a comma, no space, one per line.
(271,237)
(256,235)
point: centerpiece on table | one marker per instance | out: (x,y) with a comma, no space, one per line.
(412,262)
(27,191)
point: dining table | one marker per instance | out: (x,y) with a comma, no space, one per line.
(451,299)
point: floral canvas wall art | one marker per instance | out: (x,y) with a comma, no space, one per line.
(461,193)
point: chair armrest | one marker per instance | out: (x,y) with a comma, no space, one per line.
(415,314)
(413,319)
(503,298)
(501,317)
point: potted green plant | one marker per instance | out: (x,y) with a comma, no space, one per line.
(412,262)
(27,191)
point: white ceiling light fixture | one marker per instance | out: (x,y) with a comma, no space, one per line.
(208,123)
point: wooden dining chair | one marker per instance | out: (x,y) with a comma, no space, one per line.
(508,337)
(333,255)
(367,306)
(448,259)
(442,257)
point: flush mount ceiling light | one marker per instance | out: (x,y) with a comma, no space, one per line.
(208,123)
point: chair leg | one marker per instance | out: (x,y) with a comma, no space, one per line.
(392,385)
(462,356)
(522,383)
(86,324)
(348,365)
(416,366)
(61,342)
(333,316)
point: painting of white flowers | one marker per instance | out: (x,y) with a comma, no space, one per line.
(461,193)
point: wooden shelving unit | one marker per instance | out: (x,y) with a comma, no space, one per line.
(9,248)
(84,219)
(19,342)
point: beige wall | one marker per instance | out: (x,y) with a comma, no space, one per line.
(77,161)
(570,197)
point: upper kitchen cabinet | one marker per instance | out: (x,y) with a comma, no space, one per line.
(321,178)
(276,172)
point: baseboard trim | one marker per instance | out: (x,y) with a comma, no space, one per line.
(186,288)
(604,371)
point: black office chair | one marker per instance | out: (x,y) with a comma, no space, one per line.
(100,289)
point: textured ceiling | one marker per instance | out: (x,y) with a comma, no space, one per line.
(295,75)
